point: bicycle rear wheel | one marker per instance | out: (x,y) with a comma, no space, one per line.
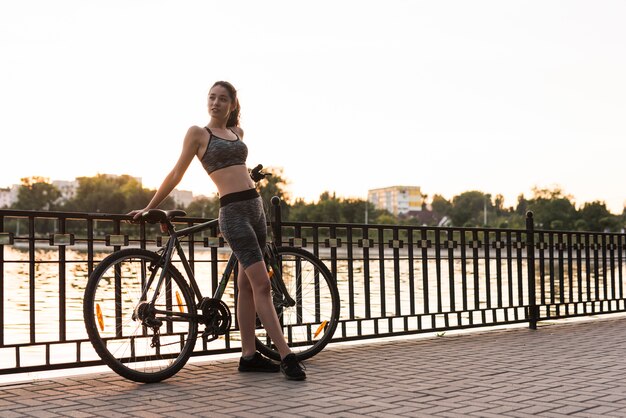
(133,340)
(310,324)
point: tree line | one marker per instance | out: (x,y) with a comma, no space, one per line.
(552,208)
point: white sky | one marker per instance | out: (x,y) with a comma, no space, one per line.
(497,96)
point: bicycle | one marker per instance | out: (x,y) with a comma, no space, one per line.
(142,316)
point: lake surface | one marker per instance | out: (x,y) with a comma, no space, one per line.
(505,287)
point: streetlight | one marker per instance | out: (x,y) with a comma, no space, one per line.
(485,209)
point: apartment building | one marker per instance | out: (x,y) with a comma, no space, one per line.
(399,200)
(8,195)
(67,188)
(182,197)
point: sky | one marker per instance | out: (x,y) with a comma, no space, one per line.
(344,96)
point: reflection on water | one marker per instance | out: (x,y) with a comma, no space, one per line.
(386,288)
(33,309)
(46,290)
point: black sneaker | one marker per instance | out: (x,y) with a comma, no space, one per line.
(258,364)
(291,368)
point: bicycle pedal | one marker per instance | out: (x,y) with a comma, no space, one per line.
(208,337)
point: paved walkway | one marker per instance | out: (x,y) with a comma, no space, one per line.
(572,368)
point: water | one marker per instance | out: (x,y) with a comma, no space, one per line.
(435,294)
(46,294)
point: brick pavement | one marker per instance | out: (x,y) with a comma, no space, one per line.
(573,368)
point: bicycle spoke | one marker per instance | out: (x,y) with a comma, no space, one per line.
(128,335)
(309,325)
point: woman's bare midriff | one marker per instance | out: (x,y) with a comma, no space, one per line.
(232,179)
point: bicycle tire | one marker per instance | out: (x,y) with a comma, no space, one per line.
(112,295)
(310,324)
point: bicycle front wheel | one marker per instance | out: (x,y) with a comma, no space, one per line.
(310,323)
(139,341)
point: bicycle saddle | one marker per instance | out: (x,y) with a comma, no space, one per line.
(158,215)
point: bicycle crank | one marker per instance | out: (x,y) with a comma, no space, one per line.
(215,316)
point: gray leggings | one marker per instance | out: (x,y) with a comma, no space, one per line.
(244,227)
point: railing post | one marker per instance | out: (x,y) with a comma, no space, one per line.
(277,221)
(533,309)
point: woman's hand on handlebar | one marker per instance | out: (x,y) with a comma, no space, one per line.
(136,214)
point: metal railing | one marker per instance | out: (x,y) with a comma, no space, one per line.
(393,280)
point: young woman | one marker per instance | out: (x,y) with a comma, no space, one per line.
(242,222)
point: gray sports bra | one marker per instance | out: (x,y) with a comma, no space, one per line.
(222,153)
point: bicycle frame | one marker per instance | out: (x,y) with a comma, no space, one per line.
(173,243)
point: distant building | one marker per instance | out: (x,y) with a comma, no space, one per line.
(8,195)
(399,200)
(182,197)
(67,188)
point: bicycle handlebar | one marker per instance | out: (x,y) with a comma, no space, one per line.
(257,175)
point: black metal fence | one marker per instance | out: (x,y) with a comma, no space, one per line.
(393,280)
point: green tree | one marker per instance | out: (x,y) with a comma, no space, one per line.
(112,194)
(36,193)
(516,221)
(522,205)
(552,209)
(204,207)
(324,210)
(135,196)
(98,194)
(441,206)
(297,210)
(329,208)
(597,217)
(468,208)
(386,218)
(353,210)
(581,225)
(498,205)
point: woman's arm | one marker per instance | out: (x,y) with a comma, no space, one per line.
(191,144)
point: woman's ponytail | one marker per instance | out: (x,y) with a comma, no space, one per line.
(233,118)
